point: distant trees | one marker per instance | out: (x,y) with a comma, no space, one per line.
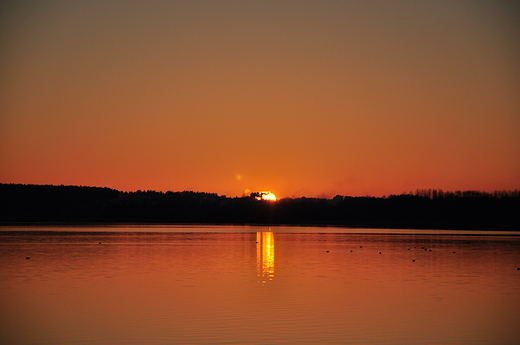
(425,208)
(20,203)
(439,193)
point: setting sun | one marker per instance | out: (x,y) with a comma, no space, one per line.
(265,195)
(268,196)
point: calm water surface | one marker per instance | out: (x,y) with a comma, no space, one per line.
(257,285)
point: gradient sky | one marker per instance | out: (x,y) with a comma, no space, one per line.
(304,98)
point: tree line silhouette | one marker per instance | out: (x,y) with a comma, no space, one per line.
(425,208)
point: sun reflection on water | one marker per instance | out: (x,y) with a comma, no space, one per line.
(264,256)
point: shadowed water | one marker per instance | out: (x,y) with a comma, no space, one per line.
(247,285)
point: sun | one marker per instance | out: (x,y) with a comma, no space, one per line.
(264,195)
(268,196)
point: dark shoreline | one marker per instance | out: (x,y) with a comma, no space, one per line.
(44,205)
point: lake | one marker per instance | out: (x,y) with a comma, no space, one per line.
(257,285)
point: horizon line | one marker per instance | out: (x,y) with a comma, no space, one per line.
(418,192)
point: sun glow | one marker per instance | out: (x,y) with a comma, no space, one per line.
(269,196)
(265,195)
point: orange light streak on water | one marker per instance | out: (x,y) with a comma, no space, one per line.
(265,256)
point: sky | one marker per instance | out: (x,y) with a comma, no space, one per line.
(302,98)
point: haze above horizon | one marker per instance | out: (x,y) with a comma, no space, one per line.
(301,98)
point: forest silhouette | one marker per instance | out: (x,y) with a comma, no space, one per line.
(426,208)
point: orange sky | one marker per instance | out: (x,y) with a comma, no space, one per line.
(304,98)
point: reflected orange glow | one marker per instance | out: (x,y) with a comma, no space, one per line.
(265,256)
